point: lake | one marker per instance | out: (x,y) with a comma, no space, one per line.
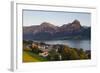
(84,44)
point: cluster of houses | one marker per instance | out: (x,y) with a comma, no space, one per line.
(45,48)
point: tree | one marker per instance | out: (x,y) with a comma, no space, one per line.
(27,42)
(53,55)
(73,55)
(69,54)
(88,52)
(82,54)
(65,53)
(36,50)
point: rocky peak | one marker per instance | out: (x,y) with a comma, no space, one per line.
(47,24)
(76,24)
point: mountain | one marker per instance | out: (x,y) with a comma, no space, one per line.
(75,25)
(48,31)
(43,27)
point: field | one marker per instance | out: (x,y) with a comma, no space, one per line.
(31,57)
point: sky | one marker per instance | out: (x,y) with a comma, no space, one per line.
(33,17)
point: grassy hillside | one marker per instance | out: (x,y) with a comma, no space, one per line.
(31,57)
(28,58)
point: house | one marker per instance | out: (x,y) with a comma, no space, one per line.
(41,47)
(44,54)
(34,45)
(27,48)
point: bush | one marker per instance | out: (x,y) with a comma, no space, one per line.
(36,50)
(53,55)
(69,54)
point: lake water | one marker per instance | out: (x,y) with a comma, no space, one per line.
(84,44)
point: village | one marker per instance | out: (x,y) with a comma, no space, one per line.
(55,52)
(43,49)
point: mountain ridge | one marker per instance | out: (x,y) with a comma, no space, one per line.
(48,31)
